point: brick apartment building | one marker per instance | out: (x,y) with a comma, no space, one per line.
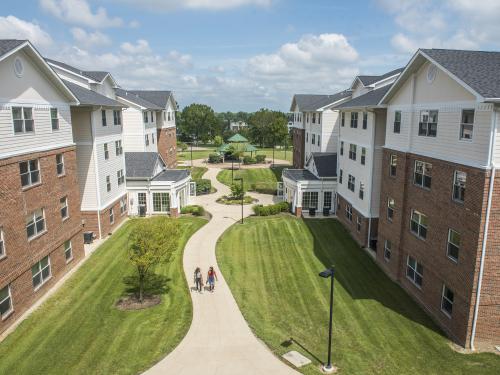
(40,221)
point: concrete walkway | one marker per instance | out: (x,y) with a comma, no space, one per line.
(219,340)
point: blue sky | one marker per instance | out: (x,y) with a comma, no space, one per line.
(246,54)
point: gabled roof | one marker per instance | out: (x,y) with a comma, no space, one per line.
(96,76)
(325,163)
(7,45)
(310,102)
(299,175)
(141,164)
(88,97)
(370,99)
(136,99)
(173,175)
(370,80)
(158,97)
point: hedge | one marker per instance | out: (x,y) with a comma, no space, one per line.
(203,186)
(260,159)
(249,160)
(271,209)
(214,158)
(193,210)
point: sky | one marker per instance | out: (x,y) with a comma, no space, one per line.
(246,54)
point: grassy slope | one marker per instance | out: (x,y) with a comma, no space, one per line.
(378,329)
(254,179)
(78,330)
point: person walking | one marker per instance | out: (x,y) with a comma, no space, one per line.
(198,279)
(211,277)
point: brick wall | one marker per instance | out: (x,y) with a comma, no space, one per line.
(92,224)
(298,148)
(167,146)
(361,235)
(15,269)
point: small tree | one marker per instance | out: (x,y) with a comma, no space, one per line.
(151,241)
(218,141)
(237,192)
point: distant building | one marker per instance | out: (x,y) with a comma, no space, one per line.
(236,126)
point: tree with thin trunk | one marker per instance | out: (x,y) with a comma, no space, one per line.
(151,241)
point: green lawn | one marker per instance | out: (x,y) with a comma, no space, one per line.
(278,154)
(200,154)
(262,180)
(378,329)
(196,172)
(79,331)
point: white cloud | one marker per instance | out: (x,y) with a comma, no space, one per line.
(141,46)
(134,24)
(90,39)
(12,27)
(197,4)
(78,12)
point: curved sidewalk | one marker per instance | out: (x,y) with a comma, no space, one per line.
(219,340)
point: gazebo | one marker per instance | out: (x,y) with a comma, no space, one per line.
(237,138)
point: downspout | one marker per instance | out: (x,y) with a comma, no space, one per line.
(486,228)
(371,179)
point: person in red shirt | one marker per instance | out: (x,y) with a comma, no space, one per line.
(211,278)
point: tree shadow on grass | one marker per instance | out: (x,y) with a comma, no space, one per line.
(155,285)
(358,274)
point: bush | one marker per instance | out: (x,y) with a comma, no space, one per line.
(272,209)
(214,158)
(193,210)
(203,186)
(260,159)
(249,160)
(182,146)
(237,191)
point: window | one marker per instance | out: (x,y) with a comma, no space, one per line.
(64,208)
(120,177)
(387,250)
(60,164)
(40,272)
(30,173)
(152,116)
(319,118)
(111,216)
(108,183)
(147,139)
(365,120)
(117,117)
(348,212)
(453,246)
(342,148)
(390,208)
(352,152)
(422,175)
(342,119)
(165,116)
(359,222)
(314,118)
(397,122)
(414,271)
(5,301)
(393,163)
(123,205)
(447,301)
(145,116)
(327,200)
(106,151)
(354,120)
(23,120)
(363,156)
(118,148)
(307,137)
(351,182)
(307,117)
(54,118)
(310,199)
(35,223)
(68,251)
(161,202)
(467,124)
(169,117)
(418,225)
(141,199)
(103,118)
(319,140)
(313,138)
(153,138)
(340,176)
(2,244)
(428,123)
(361,190)
(459,180)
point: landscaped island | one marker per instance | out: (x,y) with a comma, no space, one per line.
(272,266)
(261,180)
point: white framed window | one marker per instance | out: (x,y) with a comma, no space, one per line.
(117,117)
(363,156)
(387,250)
(319,119)
(319,140)
(106,151)
(54,118)
(108,183)
(354,120)
(68,251)
(365,120)
(422,175)
(118,148)
(2,244)
(307,137)
(314,118)
(390,208)
(30,172)
(123,205)
(22,118)
(161,202)
(351,182)
(145,116)
(40,272)
(352,151)
(359,223)
(147,139)
(313,137)
(342,119)
(361,191)
(447,298)
(103,118)
(111,216)
(64,208)
(397,122)
(310,199)
(459,182)
(341,173)
(153,138)
(393,164)
(341,147)
(414,271)
(152,116)
(453,245)
(418,224)
(427,126)
(120,177)
(327,200)
(5,302)
(348,212)
(60,164)
(165,116)
(467,124)
(35,223)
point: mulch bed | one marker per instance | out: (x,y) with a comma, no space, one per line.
(132,302)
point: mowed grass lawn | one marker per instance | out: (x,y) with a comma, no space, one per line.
(79,331)
(272,266)
(203,154)
(262,180)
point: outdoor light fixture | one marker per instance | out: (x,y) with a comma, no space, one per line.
(329,273)
(242,195)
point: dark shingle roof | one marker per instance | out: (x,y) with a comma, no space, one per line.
(141,164)
(158,97)
(7,45)
(307,102)
(370,80)
(89,97)
(299,175)
(136,99)
(173,175)
(326,164)
(478,69)
(93,75)
(370,99)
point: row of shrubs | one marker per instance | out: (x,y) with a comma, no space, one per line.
(258,159)
(215,158)
(271,209)
(194,210)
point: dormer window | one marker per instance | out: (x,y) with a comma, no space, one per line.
(23,120)
(54,118)
(428,123)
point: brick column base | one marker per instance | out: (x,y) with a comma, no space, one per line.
(298,211)
(174,212)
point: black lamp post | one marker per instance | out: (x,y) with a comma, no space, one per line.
(242,195)
(329,273)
